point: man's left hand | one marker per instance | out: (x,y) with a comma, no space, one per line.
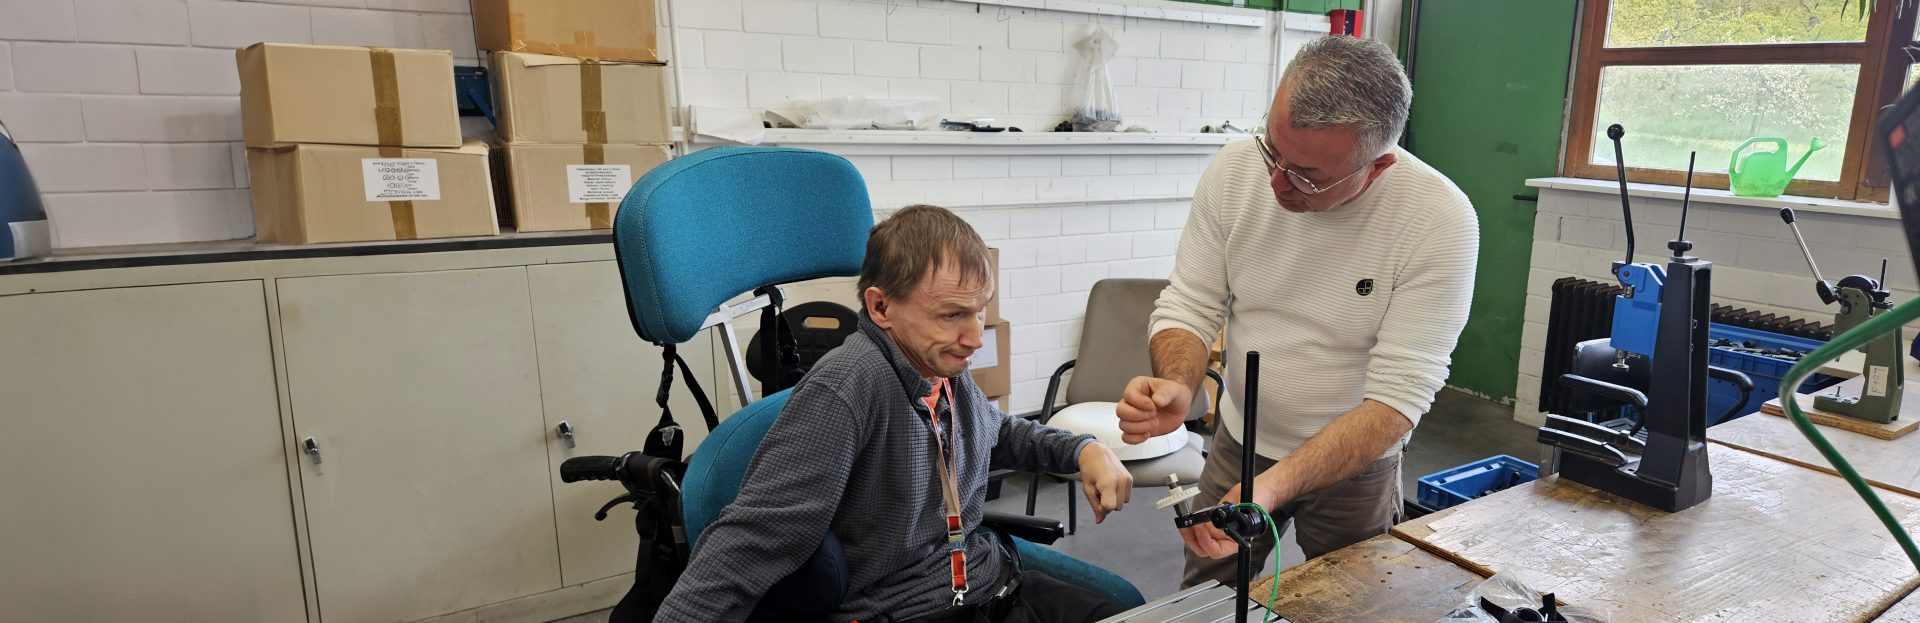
(1106,480)
(1206,540)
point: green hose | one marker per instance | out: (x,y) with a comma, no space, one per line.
(1880,324)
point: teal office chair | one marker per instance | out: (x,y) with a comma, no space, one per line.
(705,228)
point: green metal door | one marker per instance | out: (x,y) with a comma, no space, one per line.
(1489,88)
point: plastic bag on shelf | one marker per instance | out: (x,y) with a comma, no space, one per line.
(1097,108)
(854,112)
(1506,593)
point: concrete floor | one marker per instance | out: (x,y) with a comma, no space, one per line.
(1141,545)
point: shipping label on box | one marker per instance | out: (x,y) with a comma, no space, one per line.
(400,179)
(570,187)
(554,99)
(317,94)
(605,29)
(598,183)
(991,366)
(339,193)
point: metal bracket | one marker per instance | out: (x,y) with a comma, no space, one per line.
(723,317)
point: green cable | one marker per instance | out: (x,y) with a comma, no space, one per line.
(1273,596)
(1880,324)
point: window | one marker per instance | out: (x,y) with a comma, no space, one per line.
(1706,75)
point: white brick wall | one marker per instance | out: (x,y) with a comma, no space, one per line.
(128,113)
(1756,263)
(1015,65)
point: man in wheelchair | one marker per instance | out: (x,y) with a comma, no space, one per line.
(886,444)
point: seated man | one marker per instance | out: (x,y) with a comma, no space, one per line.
(887,442)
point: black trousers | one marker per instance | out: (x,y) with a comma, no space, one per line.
(1040,599)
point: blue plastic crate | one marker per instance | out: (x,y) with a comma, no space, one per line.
(1766,372)
(1447,488)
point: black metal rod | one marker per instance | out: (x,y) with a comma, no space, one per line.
(1248,441)
(1614,132)
(1686,199)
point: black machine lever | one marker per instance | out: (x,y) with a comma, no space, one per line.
(1592,448)
(1604,389)
(1623,440)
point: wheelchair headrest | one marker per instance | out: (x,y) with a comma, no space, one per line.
(706,227)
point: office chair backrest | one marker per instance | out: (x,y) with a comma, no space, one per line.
(706,227)
(1113,341)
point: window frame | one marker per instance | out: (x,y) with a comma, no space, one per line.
(1883,69)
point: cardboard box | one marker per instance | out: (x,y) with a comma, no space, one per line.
(337,193)
(1001,402)
(556,100)
(992,365)
(555,188)
(347,96)
(621,30)
(999,289)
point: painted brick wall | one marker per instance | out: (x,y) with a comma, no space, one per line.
(1756,263)
(128,112)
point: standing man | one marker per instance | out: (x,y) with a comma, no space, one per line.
(1348,264)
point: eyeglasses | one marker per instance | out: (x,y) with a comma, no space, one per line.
(1300,182)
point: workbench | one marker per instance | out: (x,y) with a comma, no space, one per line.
(1777,542)
(1380,580)
(1892,464)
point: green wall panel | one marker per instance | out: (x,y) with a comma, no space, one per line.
(1489,88)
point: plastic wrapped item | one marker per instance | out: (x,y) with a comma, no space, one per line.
(853,112)
(1098,108)
(1505,592)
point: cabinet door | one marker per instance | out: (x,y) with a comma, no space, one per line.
(422,395)
(141,459)
(599,377)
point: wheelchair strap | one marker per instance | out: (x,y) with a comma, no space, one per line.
(779,352)
(666,439)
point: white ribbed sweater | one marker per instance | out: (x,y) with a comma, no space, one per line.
(1289,286)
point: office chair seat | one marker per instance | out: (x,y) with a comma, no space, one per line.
(1100,420)
(1184,463)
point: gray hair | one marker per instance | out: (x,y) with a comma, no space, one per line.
(1351,82)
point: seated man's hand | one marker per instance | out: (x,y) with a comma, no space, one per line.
(1152,406)
(1107,482)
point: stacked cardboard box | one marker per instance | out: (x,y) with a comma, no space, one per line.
(355,144)
(577,133)
(581,100)
(993,363)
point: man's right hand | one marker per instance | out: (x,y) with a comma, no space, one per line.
(1153,406)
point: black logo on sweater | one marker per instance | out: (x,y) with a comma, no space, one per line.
(1365,287)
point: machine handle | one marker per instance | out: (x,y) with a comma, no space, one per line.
(581,468)
(565,430)
(312,448)
(1738,379)
(1582,445)
(1604,389)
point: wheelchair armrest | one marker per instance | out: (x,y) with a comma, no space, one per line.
(1040,530)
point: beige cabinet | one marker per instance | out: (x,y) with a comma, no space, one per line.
(599,378)
(429,493)
(141,459)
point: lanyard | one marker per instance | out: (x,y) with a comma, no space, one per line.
(956,536)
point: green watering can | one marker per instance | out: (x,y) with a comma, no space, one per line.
(1765,173)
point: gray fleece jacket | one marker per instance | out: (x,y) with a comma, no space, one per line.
(850,455)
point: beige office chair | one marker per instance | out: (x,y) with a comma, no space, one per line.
(1113,350)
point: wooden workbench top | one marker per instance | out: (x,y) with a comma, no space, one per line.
(1889,464)
(1777,542)
(1380,580)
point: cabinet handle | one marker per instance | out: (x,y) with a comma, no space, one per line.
(566,432)
(313,450)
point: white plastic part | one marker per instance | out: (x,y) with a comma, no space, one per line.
(1102,421)
(1177,495)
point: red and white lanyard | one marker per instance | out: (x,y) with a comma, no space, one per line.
(956,535)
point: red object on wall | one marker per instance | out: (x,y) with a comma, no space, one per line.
(1345,22)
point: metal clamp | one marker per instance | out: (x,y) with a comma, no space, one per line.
(565,431)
